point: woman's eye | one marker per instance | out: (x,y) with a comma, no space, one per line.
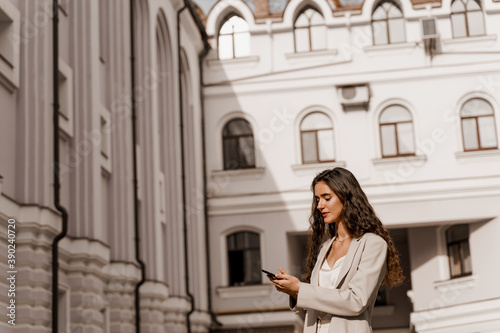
(327,199)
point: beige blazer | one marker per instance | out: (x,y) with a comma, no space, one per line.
(351,303)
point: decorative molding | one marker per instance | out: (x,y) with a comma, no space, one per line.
(275,318)
(318,166)
(469,40)
(261,290)
(468,315)
(154,290)
(311,54)
(240,61)
(254,173)
(398,160)
(477,155)
(466,282)
(390,47)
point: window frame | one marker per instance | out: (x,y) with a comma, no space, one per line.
(478,128)
(238,150)
(395,126)
(318,160)
(301,12)
(464,13)
(449,244)
(232,34)
(231,283)
(386,20)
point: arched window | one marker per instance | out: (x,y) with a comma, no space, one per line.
(234,38)
(316,133)
(478,125)
(396,132)
(457,242)
(238,146)
(467,18)
(309,31)
(388,23)
(243,253)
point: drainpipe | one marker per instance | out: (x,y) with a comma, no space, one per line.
(201,56)
(57,181)
(183,173)
(134,162)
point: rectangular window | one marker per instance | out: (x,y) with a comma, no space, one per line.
(397,30)
(318,37)
(302,43)
(457,239)
(458,24)
(475,23)
(231,160)
(405,138)
(380,33)
(247,152)
(326,147)
(470,134)
(225,47)
(388,136)
(309,147)
(243,249)
(487,134)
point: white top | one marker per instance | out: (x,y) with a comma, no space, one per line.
(328,276)
(328,279)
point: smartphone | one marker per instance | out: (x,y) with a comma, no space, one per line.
(271,275)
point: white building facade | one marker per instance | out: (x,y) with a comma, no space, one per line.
(213,184)
(404,94)
(116,242)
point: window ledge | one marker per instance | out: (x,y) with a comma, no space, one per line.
(259,290)
(477,154)
(389,47)
(234,61)
(397,160)
(383,310)
(311,54)
(466,282)
(257,172)
(467,40)
(317,166)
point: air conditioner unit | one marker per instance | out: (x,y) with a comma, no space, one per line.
(354,97)
(429,28)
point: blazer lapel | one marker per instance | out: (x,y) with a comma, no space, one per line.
(319,262)
(346,265)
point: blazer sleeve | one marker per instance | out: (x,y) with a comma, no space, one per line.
(354,299)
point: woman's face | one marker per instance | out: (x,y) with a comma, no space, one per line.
(328,203)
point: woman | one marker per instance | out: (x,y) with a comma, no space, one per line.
(344,273)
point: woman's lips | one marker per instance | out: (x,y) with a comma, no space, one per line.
(324,214)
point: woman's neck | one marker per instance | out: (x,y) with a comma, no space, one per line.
(342,232)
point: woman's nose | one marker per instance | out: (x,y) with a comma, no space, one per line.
(320,204)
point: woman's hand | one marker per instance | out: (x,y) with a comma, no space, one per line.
(286,283)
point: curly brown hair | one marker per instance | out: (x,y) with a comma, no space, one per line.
(358,217)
